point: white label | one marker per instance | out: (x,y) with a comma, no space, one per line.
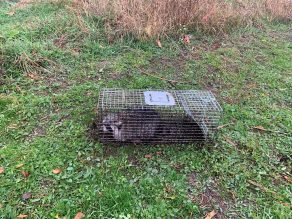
(159,98)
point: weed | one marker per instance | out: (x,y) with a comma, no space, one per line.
(158,17)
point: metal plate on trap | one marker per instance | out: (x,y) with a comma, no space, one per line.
(159,98)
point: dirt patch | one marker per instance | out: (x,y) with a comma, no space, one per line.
(37,132)
(46,183)
(110,151)
(132,159)
(209,198)
(178,167)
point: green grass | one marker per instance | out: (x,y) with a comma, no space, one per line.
(44,122)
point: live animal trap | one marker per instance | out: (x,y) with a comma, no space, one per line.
(154,117)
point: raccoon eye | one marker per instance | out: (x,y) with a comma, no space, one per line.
(108,127)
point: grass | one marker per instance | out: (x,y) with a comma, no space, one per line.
(53,66)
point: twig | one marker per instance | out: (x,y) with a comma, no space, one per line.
(231,142)
(264,189)
(260,128)
(223,126)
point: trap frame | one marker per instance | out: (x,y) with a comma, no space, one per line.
(156,116)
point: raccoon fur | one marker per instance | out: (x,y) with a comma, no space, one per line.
(133,126)
(180,130)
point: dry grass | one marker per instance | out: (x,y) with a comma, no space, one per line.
(149,18)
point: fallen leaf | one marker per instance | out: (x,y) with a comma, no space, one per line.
(187,39)
(19,165)
(22,216)
(170,197)
(75,51)
(158,43)
(210,215)
(25,174)
(56,171)
(288,179)
(148,156)
(216,45)
(18,88)
(26,196)
(261,128)
(10,13)
(2,170)
(285,204)
(32,76)
(79,215)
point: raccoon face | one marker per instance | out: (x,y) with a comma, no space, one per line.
(111,123)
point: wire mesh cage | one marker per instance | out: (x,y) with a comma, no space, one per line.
(156,116)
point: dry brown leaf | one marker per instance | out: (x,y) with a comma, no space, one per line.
(288,179)
(216,46)
(210,215)
(2,170)
(285,204)
(22,216)
(79,215)
(187,39)
(158,43)
(18,88)
(26,196)
(148,156)
(33,76)
(25,174)
(261,128)
(19,165)
(56,171)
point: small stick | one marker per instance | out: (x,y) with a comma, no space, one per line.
(264,189)
(260,128)
(223,126)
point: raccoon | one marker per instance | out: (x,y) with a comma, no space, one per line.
(133,126)
(181,130)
